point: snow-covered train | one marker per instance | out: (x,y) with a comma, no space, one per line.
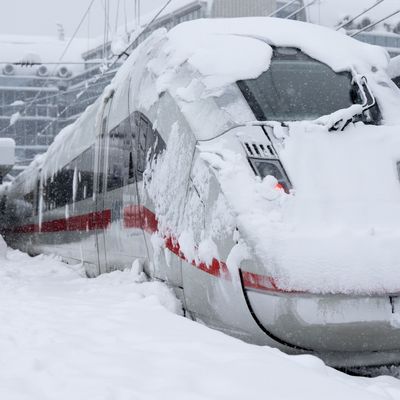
(253,165)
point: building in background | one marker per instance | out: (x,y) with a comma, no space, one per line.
(34,90)
(291,9)
(389,40)
(39,98)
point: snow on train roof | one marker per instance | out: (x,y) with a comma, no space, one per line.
(197,40)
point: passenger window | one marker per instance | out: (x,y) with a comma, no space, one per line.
(131,171)
(85,167)
(150,143)
(142,148)
(115,158)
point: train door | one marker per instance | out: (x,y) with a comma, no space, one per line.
(102,216)
(134,218)
(165,266)
(119,195)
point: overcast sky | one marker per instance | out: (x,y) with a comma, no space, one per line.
(39,17)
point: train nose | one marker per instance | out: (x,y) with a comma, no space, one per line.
(324,323)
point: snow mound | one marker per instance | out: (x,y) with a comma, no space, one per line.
(63,336)
(339,231)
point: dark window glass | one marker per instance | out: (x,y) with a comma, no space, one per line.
(150,144)
(61,187)
(297,87)
(85,166)
(115,178)
(143,132)
(131,171)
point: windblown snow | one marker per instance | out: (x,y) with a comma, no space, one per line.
(63,336)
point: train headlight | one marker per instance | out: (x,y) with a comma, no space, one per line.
(271,167)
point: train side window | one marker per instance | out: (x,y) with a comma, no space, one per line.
(132,130)
(131,170)
(85,167)
(115,158)
(61,187)
(142,141)
(150,143)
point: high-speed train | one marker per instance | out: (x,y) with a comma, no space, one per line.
(252,165)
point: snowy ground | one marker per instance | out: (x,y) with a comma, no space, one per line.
(63,336)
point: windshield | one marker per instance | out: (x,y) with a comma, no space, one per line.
(297,87)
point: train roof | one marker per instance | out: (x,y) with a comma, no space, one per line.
(197,40)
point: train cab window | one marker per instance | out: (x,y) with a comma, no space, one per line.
(297,87)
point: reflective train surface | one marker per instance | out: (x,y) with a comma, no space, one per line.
(187,150)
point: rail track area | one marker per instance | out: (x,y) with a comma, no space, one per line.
(64,336)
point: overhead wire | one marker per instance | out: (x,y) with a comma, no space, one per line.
(359,15)
(125,52)
(375,23)
(282,8)
(300,9)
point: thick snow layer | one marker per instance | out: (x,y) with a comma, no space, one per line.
(63,336)
(339,231)
(335,49)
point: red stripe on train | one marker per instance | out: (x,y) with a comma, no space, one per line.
(86,222)
(139,217)
(142,218)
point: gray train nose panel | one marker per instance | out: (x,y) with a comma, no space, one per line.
(328,323)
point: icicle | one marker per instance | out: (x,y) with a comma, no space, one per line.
(75,185)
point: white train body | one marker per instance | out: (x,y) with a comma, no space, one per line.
(252,164)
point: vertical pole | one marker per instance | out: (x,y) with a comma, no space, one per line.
(137,14)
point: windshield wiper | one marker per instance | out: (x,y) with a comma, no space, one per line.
(338,120)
